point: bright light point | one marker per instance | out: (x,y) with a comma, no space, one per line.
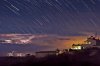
(8,41)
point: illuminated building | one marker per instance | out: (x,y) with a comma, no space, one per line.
(76,47)
(90,42)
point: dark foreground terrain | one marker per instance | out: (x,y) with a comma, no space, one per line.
(87,57)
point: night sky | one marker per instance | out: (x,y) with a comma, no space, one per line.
(60,20)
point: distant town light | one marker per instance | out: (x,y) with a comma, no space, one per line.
(15,54)
(10,54)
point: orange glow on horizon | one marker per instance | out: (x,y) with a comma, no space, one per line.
(74,40)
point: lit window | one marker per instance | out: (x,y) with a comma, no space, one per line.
(89,42)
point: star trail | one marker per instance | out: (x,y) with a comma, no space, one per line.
(62,18)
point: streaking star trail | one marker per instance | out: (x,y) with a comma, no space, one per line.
(62,18)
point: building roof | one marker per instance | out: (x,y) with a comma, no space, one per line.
(46,52)
(76,45)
